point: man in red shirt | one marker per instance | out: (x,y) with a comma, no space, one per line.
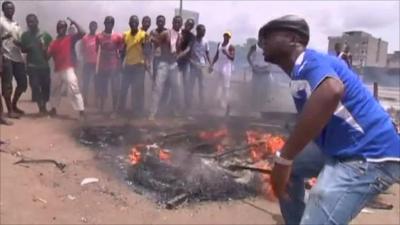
(61,50)
(88,51)
(108,45)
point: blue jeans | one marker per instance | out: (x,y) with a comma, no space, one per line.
(166,72)
(343,188)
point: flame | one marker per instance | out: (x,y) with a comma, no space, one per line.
(220,148)
(312,181)
(275,143)
(212,135)
(164,155)
(266,187)
(134,156)
(263,144)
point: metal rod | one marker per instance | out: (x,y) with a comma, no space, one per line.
(180,7)
(376,90)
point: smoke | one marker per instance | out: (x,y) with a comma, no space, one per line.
(243,18)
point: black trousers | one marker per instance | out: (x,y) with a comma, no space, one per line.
(40,83)
(89,71)
(133,77)
(17,70)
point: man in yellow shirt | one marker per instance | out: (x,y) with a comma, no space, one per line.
(133,67)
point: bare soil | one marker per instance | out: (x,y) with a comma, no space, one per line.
(42,194)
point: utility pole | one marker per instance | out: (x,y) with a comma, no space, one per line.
(180,7)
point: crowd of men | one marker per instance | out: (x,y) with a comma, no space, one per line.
(175,58)
(358,147)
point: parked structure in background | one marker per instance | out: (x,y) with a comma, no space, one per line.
(393,60)
(188,14)
(367,50)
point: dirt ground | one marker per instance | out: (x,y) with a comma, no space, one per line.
(42,194)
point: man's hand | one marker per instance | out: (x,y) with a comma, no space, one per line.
(17,43)
(147,67)
(71,21)
(7,36)
(279,179)
(210,69)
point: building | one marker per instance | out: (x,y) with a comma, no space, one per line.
(367,50)
(187,14)
(393,60)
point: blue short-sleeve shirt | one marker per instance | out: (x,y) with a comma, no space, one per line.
(360,127)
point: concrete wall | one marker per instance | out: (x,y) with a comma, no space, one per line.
(366,49)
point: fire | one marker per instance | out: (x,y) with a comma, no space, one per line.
(275,143)
(263,144)
(311,182)
(212,135)
(266,181)
(135,156)
(220,148)
(164,155)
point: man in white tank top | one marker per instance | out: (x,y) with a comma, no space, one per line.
(261,79)
(223,64)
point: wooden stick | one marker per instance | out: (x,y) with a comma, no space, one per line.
(59,165)
(251,168)
(238,149)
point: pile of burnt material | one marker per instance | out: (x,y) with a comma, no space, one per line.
(201,161)
(196,165)
(103,137)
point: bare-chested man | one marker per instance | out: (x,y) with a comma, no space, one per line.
(167,43)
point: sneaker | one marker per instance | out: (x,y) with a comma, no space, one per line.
(152,118)
(113,116)
(82,116)
(13,115)
(53,112)
(3,121)
(17,110)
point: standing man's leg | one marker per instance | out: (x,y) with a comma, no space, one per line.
(102,88)
(33,97)
(3,121)
(344,187)
(22,84)
(138,90)
(226,76)
(307,164)
(7,87)
(97,89)
(34,80)
(190,83)
(74,92)
(88,71)
(115,77)
(200,80)
(161,78)
(185,76)
(56,90)
(270,87)
(166,95)
(45,83)
(255,91)
(127,77)
(176,90)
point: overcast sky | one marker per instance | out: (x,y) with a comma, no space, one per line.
(242,18)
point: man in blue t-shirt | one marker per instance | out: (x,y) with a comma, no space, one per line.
(360,149)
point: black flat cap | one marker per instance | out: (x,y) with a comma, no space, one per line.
(289,23)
